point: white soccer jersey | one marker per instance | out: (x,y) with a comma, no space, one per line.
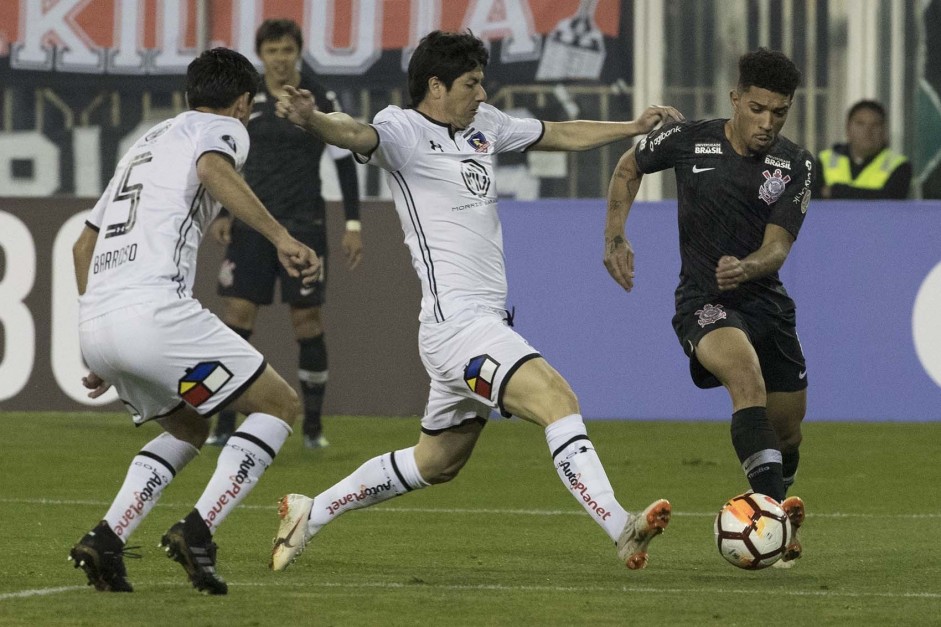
(152,216)
(445,194)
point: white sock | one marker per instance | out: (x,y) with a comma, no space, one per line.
(380,479)
(151,470)
(244,458)
(581,471)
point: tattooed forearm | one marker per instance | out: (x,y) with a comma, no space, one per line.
(622,189)
(630,177)
(614,242)
(633,185)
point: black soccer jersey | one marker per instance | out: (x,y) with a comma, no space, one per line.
(283,167)
(725,202)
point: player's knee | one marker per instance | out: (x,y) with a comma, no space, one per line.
(291,406)
(440,475)
(191,429)
(547,403)
(787,424)
(284,403)
(559,402)
(439,470)
(790,439)
(746,385)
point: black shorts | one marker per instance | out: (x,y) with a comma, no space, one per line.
(251,266)
(774,337)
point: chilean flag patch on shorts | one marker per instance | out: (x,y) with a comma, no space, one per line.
(202,381)
(479,373)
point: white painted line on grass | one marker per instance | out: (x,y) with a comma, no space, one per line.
(279,583)
(477,510)
(39,592)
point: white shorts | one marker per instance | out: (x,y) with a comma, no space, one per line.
(160,356)
(469,358)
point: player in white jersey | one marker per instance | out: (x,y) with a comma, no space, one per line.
(141,330)
(438,156)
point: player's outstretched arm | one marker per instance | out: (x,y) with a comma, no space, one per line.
(579,135)
(216,173)
(622,190)
(335,128)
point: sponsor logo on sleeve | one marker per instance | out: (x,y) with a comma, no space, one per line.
(230,142)
(656,141)
(803,199)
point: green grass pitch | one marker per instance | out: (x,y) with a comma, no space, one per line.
(503,544)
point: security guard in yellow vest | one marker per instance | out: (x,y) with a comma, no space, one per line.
(864,167)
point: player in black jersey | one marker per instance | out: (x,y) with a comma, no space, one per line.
(283,169)
(742,194)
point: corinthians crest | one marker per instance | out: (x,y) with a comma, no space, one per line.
(773,186)
(710,314)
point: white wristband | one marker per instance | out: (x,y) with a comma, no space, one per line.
(354,225)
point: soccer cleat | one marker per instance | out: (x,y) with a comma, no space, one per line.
(100,554)
(315,442)
(640,530)
(218,438)
(225,425)
(793,506)
(294,511)
(190,543)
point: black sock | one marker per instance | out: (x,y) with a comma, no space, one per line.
(790,460)
(225,422)
(312,367)
(756,445)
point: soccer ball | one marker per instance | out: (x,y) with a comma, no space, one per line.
(752,531)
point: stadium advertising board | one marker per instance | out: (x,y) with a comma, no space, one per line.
(81,79)
(866,277)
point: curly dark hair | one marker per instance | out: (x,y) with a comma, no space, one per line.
(446,56)
(768,69)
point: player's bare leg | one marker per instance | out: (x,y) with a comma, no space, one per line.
(786,412)
(728,354)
